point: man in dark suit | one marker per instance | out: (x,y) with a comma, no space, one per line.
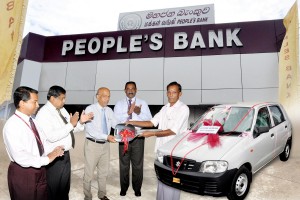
(132,108)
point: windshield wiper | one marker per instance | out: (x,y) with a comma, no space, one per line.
(229,133)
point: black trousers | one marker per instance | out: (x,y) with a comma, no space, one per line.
(135,155)
(26,183)
(59,178)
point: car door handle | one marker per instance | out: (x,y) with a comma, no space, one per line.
(285,126)
(272,135)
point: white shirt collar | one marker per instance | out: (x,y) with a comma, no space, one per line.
(50,105)
(175,105)
(22,115)
(132,100)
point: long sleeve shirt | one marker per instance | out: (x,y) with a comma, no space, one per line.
(121,109)
(174,118)
(55,129)
(93,129)
(21,144)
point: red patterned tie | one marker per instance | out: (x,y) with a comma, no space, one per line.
(129,106)
(37,137)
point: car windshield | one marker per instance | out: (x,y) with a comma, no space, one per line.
(225,120)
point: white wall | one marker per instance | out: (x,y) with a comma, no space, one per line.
(204,79)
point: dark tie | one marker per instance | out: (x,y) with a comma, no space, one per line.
(71,132)
(129,106)
(37,137)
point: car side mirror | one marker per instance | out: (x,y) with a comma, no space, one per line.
(259,130)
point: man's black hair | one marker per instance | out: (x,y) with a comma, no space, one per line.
(22,93)
(55,91)
(174,83)
(130,82)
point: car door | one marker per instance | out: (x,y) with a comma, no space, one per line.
(264,143)
(280,128)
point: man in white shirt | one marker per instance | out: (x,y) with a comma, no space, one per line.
(27,149)
(172,120)
(132,108)
(59,127)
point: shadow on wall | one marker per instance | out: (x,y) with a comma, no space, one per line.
(294,117)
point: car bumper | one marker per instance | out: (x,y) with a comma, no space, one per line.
(195,182)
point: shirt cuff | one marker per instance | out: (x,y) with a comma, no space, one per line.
(153,121)
(44,160)
(80,126)
(70,126)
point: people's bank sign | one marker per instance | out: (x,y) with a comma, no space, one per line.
(169,17)
(154,40)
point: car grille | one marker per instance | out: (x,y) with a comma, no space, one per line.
(190,183)
(187,164)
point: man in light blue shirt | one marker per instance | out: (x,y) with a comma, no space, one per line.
(96,146)
(132,108)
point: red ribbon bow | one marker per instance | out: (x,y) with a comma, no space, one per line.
(126,134)
(213,140)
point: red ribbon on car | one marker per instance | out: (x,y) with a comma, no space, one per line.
(174,172)
(126,134)
(213,140)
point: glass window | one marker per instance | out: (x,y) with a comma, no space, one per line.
(263,118)
(230,119)
(277,115)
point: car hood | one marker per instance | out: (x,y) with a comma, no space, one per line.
(200,150)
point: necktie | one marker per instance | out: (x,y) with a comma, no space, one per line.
(129,106)
(37,137)
(104,124)
(71,132)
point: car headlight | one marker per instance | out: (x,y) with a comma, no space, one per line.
(213,166)
(159,156)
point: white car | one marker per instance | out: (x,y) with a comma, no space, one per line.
(219,154)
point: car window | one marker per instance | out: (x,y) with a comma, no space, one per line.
(263,118)
(213,116)
(277,115)
(239,119)
(230,119)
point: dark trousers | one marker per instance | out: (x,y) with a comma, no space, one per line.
(59,178)
(26,183)
(135,155)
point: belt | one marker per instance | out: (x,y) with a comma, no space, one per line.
(96,141)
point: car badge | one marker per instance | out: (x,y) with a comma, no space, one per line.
(177,164)
(176,180)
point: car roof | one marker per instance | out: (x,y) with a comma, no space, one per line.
(248,104)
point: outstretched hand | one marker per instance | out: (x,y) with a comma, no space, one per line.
(147,134)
